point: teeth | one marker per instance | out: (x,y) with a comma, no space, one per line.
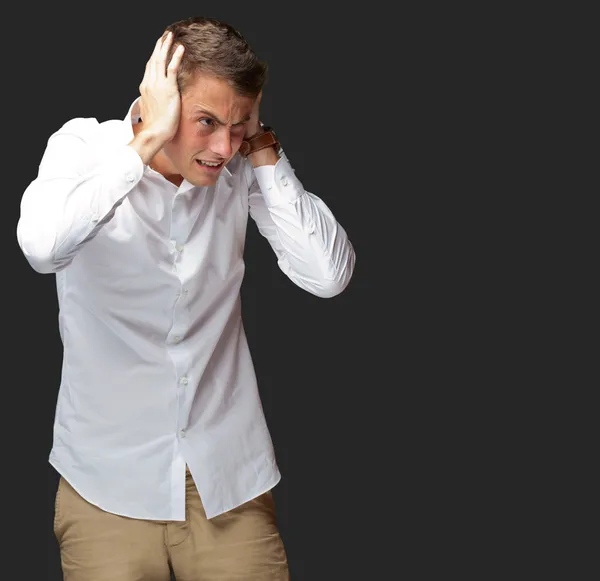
(209,163)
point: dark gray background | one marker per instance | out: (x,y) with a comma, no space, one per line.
(388,405)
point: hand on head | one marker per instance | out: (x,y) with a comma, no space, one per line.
(160,103)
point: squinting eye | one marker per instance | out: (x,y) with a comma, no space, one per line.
(209,121)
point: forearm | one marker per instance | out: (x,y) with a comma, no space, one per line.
(312,247)
(147,143)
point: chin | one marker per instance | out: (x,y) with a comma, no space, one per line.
(203,181)
(199,180)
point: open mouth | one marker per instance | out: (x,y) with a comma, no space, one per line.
(209,165)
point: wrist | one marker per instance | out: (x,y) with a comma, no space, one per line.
(265,143)
(266,156)
(147,143)
(259,130)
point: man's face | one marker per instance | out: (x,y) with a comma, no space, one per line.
(211,129)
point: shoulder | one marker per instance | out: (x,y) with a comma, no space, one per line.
(82,127)
(90,130)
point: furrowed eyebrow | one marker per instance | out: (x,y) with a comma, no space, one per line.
(213,116)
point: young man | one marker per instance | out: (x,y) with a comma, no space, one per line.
(160,438)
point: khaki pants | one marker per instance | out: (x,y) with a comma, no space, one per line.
(243,544)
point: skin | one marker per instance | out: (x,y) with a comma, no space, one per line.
(207,122)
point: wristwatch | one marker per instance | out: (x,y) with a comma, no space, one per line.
(260,141)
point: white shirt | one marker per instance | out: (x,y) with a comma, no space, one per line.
(157,371)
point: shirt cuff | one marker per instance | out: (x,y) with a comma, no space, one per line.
(132,165)
(278,182)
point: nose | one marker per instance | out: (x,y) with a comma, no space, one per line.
(221,142)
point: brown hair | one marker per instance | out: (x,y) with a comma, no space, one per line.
(218,49)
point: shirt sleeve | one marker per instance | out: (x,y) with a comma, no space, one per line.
(75,193)
(312,248)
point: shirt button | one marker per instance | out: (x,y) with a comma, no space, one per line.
(182,433)
(184,380)
(284,181)
(179,248)
(130,177)
(176,339)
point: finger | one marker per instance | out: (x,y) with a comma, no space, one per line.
(154,58)
(157,46)
(256,107)
(161,58)
(151,64)
(145,77)
(175,60)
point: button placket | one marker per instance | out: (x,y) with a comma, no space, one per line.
(183,386)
